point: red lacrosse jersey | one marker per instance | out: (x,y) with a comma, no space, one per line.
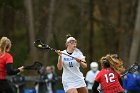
(108,79)
(4,59)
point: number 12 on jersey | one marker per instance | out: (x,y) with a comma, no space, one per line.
(109,77)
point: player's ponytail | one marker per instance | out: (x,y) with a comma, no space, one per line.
(113,61)
(118,64)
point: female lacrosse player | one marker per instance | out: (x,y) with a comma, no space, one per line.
(109,76)
(72,78)
(6,61)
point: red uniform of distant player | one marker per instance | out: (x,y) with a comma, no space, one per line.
(108,77)
(6,65)
(5,59)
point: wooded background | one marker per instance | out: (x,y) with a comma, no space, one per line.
(100,26)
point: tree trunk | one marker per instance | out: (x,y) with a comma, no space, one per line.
(136,38)
(91,30)
(28,6)
(48,30)
(8,20)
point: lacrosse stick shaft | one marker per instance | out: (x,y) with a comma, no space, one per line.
(73,57)
(124,74)
(66,54)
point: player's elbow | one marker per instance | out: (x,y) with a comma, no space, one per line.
(84,65)
(59,68)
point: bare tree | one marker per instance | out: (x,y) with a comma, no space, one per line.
(28,6)
(91,31)
(48,30)
(136,38)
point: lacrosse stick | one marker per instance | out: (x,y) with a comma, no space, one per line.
(39,44)
(35,66)
(133,68)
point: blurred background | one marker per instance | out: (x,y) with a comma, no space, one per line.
(100,27)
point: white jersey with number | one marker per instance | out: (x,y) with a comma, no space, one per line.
(72,77)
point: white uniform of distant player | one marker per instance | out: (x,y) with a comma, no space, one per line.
(91,75)
(72,77)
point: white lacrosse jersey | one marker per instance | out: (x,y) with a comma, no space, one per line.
(71,73)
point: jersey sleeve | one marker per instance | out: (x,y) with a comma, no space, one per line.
(63,55)
(118,75)
(81,56)
(98,77)
(9,58)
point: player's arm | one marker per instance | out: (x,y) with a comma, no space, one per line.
(81,59)
(10,70)
(82,62)
(60,63)
(95,86)
(121,83)
(120,80)
(9,66)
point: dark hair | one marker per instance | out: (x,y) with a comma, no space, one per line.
(105,62)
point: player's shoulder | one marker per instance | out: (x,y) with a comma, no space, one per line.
(64,51)
(90,71)
(101,71)
(77,50)
(7,54)
(98,71)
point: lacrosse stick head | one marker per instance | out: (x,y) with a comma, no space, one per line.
(39,44)
(134,68)
(35,66)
